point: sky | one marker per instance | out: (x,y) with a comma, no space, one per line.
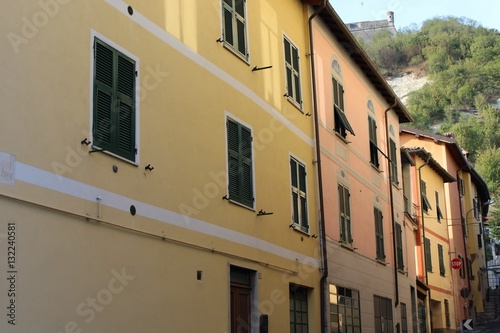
(406,12)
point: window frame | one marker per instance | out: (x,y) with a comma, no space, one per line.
(372,134)
(301,191)
(292,73)
(442,267)
(399,247)
(404,318)
(383,316)
(345,214)
(426,206)
(248,288)
(379,234)
(393,156)
(297,314)
(438,209)
(235,19)
(428,254)
(116,96)
(340,122)
(342,302)
(242,198)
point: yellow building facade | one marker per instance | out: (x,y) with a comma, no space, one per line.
(157,167)
(433,245)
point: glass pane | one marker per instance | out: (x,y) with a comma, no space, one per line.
(228,27)
(295,58)
(240,7)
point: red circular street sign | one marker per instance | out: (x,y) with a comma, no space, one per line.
(456,263)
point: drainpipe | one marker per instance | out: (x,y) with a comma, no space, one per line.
(393,221)
(466,253)
(423,234)
(322,231)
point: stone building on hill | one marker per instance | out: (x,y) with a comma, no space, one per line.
(368,29)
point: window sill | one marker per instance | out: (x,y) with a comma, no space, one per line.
(296,227)
(234,202)
(376,168)
(381,261)
(348,246)
(238,55)
(340,137)
(97,149)
(402,271)
(294,103)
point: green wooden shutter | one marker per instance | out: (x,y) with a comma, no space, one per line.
(233,159)
(114,101)
(379,234)
(399,246)
(428,256)
(103,91)
(240,185)
(246,164)
(126,104)
(442,269)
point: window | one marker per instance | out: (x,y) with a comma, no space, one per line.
(379,233)
(114,115)
(427,250)
(234,25)
(462,269)
(469,269)
(372,128)
(399,247)
(299,199)
(425,202)
(292,73)
(241,299)
(438,208)
(345,215)
(394,161)
(239,143)
(383,315)
(447,313)
(345,314)
(298,310)
(404,319)
(442,269)
(341,124)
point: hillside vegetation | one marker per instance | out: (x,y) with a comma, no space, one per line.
(461,60)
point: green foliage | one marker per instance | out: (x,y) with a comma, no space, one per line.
(462,60)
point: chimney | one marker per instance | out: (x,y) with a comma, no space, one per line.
(390,18)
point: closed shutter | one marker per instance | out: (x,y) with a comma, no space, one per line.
(103,91)
(114,101)
(239,141)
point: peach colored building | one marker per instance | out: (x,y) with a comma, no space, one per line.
(467,203)
(371,276)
